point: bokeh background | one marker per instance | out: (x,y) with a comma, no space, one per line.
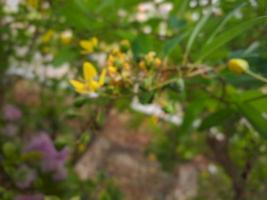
(169,122)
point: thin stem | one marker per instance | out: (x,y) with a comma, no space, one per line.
(257,76)
(163,84)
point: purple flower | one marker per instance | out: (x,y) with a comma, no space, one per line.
(30,197)
(11,113)
(52,160)
(26,177)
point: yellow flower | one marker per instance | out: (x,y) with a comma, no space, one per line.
(89,84)
(112,70)
(89,46)
(157,62)
(238,66)
(46,37)
(125,43)
(150,56)
(118,66)
(66,37)
(142,65)
(150,61)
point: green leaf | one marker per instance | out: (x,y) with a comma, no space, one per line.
(10,150)
(146,97)
(228,35)
(253,116)
(192,113)
(76,14)
(170,45)
(63,56)
(224,21)
(195,32)
(80,101)
(142,45)
(180,7)
(216,118)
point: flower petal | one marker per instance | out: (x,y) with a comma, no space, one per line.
(94,85)
(102,77)
(89,71)
(94,41)
(89,45)
(85,44)
(79,86)
(83,91)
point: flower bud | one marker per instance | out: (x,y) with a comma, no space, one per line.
(125,45)
(157,62)
(238,66)
(66,37)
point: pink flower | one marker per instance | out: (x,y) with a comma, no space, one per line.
(11,113)
(30,197)
(52,160)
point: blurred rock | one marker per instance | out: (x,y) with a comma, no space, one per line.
(137,177)
(120,152)
(93,159)
(27,93)
(185,186)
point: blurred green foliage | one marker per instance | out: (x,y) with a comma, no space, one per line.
(223,116)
